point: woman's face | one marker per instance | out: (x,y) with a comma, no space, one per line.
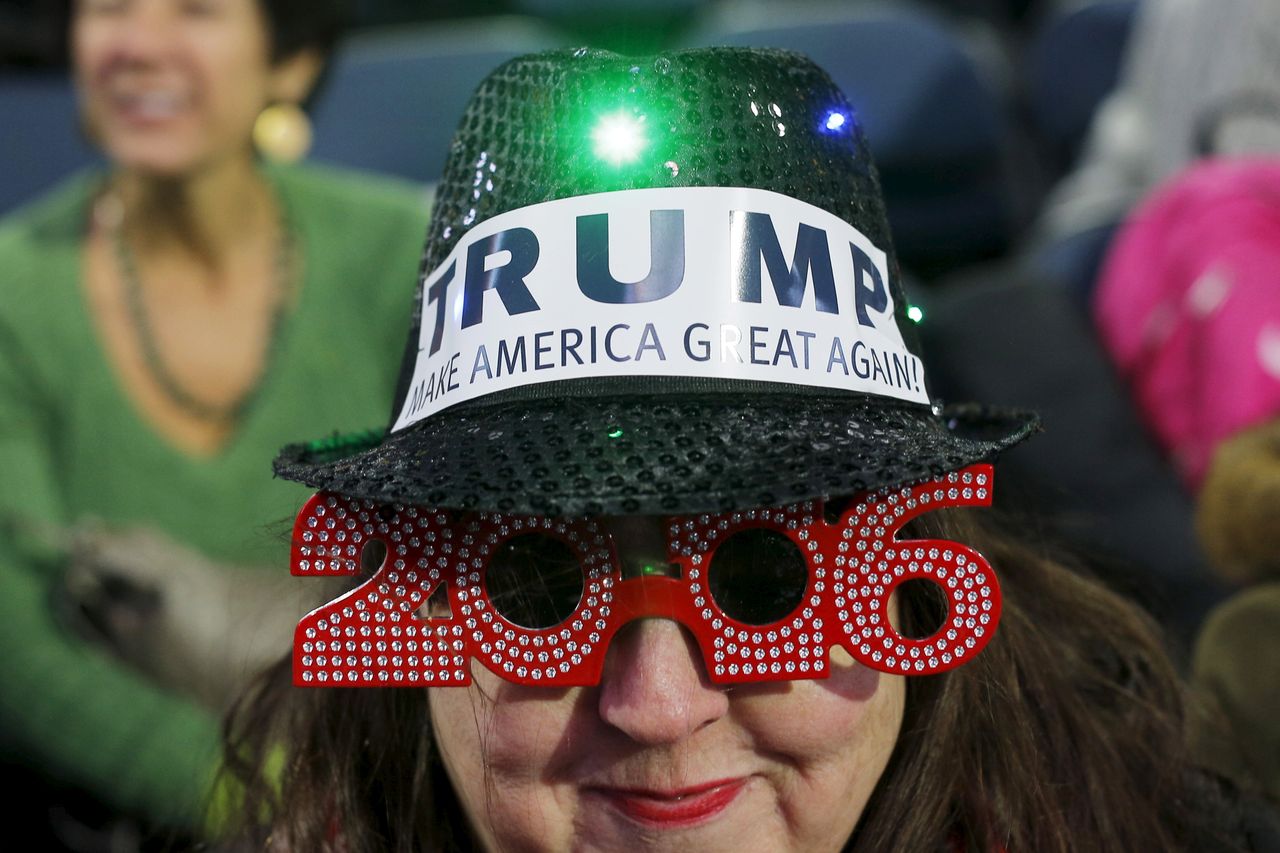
(656,757)
(168,87)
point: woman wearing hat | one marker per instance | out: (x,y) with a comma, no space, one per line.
(665,525)
(165,323)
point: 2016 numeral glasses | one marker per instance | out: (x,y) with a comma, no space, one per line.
(765,592)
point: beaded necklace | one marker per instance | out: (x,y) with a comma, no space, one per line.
(160,372)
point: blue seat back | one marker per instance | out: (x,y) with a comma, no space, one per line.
(393,99)
(1071,65)
(41,142)
(935,124)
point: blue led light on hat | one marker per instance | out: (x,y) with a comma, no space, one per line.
(835,120)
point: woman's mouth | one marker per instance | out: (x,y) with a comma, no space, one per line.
(148,108)
(673,808)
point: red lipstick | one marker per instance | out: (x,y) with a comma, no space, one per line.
(670,809)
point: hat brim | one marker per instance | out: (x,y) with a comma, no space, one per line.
(655,454)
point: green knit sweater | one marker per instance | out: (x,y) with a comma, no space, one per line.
(73,446)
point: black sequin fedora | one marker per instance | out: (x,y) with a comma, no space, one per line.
(659,285)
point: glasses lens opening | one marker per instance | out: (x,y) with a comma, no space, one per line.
(372,556)
(757,576)
(534,580)
(922,608)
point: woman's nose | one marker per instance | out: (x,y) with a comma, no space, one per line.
(146,31)
(655,687)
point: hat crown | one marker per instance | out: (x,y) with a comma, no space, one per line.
(577,122)
(710,117)
(722,168)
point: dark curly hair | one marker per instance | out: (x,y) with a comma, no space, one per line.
(300,24)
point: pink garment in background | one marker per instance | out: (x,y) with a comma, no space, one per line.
(1188,306)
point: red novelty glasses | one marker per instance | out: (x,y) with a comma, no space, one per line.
(537,600)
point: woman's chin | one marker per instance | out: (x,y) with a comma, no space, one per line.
(724,817)
(154,167)
(156,161)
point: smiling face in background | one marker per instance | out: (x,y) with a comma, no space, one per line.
(170,87)
(657,757)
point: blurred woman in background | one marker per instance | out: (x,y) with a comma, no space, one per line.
(164,324)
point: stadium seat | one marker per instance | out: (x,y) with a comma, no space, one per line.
(394,98)
(42,138)
(936,126)
(1073,61)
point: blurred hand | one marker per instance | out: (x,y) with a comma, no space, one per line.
(190,623)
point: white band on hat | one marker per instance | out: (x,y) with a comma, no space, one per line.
(720,282)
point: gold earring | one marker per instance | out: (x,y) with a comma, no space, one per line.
(282,133)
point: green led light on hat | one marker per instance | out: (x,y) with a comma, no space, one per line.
(619,138)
